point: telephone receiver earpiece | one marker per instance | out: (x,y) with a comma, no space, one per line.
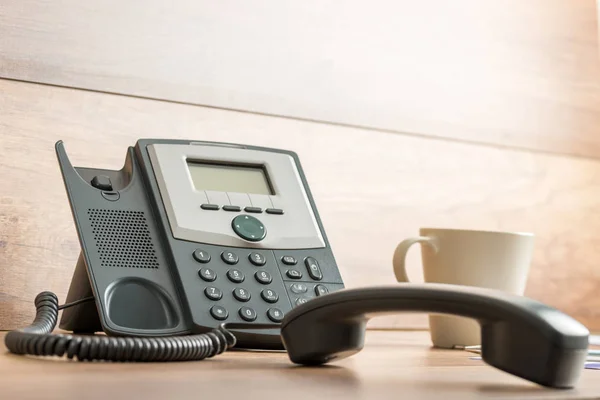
(520,336)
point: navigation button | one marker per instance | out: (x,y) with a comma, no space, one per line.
(312,266)
(249,228)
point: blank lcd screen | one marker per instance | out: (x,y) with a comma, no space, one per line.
(229,178)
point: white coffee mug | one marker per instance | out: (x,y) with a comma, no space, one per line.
(497,260)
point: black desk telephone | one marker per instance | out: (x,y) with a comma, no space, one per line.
(196,247)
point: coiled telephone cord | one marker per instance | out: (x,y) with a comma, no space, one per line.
(37,339)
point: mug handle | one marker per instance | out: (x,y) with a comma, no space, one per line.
(399,260)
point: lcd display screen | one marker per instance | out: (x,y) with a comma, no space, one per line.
(229,178)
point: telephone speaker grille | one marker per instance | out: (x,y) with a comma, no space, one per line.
(122,238)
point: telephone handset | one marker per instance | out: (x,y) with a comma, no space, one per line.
(195,247)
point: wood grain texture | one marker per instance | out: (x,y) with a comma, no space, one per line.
(372,189)
(392,365)
(521,73)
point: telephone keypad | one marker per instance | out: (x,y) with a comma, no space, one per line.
(230,257)
(235,276)
(213,293)
(207,274)
(299,275)
(270,296)
(247,314)
(263,277)
(219,312)
(241,294)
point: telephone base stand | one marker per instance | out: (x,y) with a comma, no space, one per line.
(82,318)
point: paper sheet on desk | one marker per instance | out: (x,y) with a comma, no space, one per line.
(588,364)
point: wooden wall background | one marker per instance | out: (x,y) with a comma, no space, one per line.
(473,114)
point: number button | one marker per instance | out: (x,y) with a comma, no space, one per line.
(229,257)
(241,294)
(294,274)
(201,256)
(219,313)
(263,277)
(269,296)
(247,314)
(235,276)
(207,274)
(301,300)
(275,314)
(321,290)
(213,293)
(257,259)
(288,260)
(312,266)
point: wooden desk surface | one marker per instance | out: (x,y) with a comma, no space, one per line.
(392,365)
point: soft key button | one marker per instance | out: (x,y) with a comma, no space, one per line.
(239,199)
(260,201)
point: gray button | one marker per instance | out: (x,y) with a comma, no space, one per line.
(219,313)
(257,259)
(321,290)
(312,266)
(213,293)
(229,257)
(201,256)
(301,300)
(241,294)
(270,296)
(298,288)
(289,260)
